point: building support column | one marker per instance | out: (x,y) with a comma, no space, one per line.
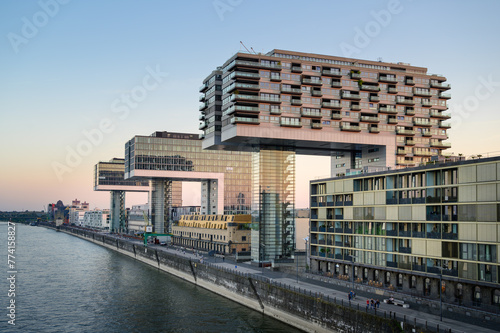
(160,204)
(117,219)
(273,204)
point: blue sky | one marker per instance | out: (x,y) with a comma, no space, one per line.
(62,77)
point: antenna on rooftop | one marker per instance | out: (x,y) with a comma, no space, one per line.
(245,47)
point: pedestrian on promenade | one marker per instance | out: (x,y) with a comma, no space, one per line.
(349,296)
(377,303)
(372,304)
(367,303)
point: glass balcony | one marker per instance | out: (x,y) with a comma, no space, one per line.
(203,106)
(203,125)
(406,101)
(350,128)
(392,90)
(332,72)
(403,151)
(275,77)
(336,116)
(355,107)
(234,108)
(387,109)
(244,120)
(410,142)
(419,92)
(445,96)
(288,90)
(440,85)
(426,133)
(405,131)
(310,113)
(202,98)
(236,97)
(410,82)
(316,126)
(336,84)
(312,81)
(374,130)
(422,153)
(384,78)
(203,87)
(275,111)
(392,121)
(426,103)
(316,93)
(439,114)
(332,104)
(244,75)
(355,75)
(444,125)
(247,86)
(374,99)
(292,122)
(257,64)
(296,69)
(296,102)
(370,119)
(410,112)
(440,144)
(421,122)
(369,88)
(349,95)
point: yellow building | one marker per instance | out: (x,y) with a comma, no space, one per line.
(221,233)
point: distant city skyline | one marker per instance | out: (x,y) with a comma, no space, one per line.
(81,78)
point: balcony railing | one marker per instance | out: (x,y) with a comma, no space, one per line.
(351,128)
(374,130)
(235,108)
(336,116)
(440,85)
(348,95)
(406,101)
(374,99)
(418,92)
(291,90)
(244,74)
(235,97)
(336,84)
(311,113)
(444,125)
(370,119)
(244,120)
(392,90)
(383,78)
(316,126)
(332,72)
(421,122)
(445,96)
(257,64)
(333,105)
(316,93)
(297,69)
(440,144)
(312,81)
(426,103)
(355,107)
(387,109)
(296,102)
(369,87)
(439,114)
(405,131)
(203,87)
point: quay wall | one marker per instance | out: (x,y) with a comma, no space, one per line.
(299,308)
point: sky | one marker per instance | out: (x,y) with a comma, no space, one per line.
(67,67)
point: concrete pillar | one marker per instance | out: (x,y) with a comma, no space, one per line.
(117,219)
(160,203)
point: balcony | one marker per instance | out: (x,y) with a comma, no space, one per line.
(332,105)
(275,77)
(256,64)
(445,96)
(403,151)
(310,113)
(316,126)
(426,103)
(422,153)
(350,128)
(203,87)
(336,84)
(318,93)
(332,72)
(355,75)
(439,114)
(392,121)
(291,122)
(405,131)
(374,99)
(369,87)
(425,93)
(410,82)
(440,144)
(296,101)
(405,162)
(244,86)
(387,109)
(410,112)
(275,111)
(440,85)
(349,95)
(444,125)
(312,81)
(245,75)
(385,78)
(234,108)
(421,122)
(202,98)
(203,125)
(392,90)
(409,142)
(203,106)
(296,91)
(238,97)
(245,120)
(355,107)
(296,69)
(370,119)
(426,133)
(336,116)
(374,130)
(405,101)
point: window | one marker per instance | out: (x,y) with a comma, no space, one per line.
(476,296)
(243,238)
(496,297)
(413,282)
(400,280)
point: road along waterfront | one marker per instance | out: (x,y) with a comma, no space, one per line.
(66,284)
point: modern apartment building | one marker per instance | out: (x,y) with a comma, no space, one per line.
(225,234)
(404,228)
(96,219)
(362,113)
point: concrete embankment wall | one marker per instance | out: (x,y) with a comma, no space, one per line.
(298,308)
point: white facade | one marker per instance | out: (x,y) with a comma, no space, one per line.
(96,219)
(136,221)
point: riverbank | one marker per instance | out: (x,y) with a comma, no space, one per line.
(301,308)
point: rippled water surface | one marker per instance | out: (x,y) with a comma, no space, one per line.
(66,284)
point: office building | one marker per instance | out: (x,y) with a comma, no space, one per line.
(403,229)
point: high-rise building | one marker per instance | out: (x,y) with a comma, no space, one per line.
(362,113)
(404,228)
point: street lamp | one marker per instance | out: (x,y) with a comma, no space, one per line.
(306,240)
(441,292)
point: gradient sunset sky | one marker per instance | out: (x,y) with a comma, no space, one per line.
(65,66)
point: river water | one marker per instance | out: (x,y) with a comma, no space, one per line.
(66,284)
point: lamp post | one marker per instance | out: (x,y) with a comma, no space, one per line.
(441,293)
(306,240)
